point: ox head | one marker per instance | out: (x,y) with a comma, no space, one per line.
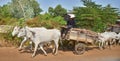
(21,32)
(15,30)
(25,32)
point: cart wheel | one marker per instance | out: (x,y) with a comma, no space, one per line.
(80,48)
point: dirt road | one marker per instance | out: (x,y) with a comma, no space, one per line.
(12,54)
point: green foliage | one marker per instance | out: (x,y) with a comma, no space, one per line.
(94,16)
(51,11)
(25,9)
(8,21)
(4,11)
(36,7)
(7,37)
(60,20)
(47,21)
(57,11)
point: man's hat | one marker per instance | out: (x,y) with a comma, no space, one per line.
(71,15)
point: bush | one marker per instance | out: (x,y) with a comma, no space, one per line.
(7,37)
(54,22)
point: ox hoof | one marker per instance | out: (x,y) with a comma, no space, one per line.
(101,49)
(55,54)
(19,49)
(45,54)
(33,56)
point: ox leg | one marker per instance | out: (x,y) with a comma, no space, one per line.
(31,45)
(41,47)
(110,44)
(100,45)
(119,42)
(56,47)
(103,45)
(113,42)
(35,50)
(20,48)
(107,44)
(53,51)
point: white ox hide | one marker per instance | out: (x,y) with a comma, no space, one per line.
(105,38)
(16,31)
(41,36)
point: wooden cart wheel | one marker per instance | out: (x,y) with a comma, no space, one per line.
(80,48)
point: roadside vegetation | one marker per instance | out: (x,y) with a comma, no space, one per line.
(92,16)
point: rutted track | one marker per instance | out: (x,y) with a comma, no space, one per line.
(12,54)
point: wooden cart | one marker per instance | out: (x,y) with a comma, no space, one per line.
(82,39)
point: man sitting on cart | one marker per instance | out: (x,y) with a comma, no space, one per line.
(69,18)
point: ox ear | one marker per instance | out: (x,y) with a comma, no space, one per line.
(33,33)
(17,27)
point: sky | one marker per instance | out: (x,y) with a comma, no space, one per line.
(68,4)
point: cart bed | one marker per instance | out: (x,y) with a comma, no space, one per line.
(82,35)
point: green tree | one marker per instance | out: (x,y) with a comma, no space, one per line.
(95,17)
(90,4)
(57,11)
(36,7)
(25,8)
(51,11)
(5,11)
(110,14)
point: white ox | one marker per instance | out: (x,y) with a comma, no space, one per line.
(16,31)
(106,38)
(41,36)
